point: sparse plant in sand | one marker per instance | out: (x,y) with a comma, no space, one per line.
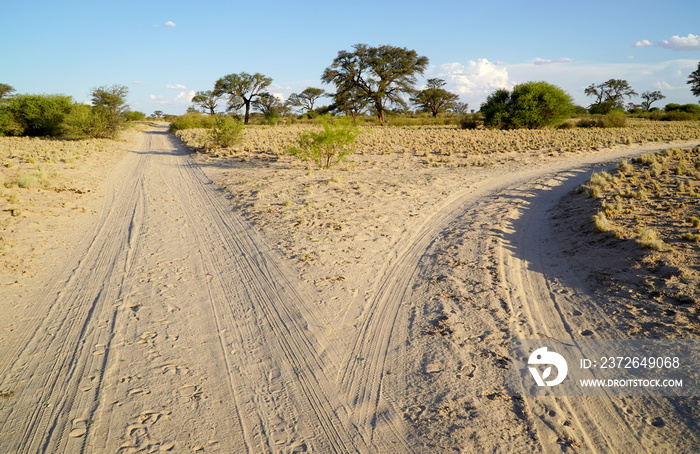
(645,199)
(329,146)
(649,239)
(601,223)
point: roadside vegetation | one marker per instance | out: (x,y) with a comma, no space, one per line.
(53,115)
(452,143)
(654,200)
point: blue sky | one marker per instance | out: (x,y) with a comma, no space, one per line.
(165,51)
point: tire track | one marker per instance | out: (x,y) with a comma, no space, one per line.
(254,277)
(363,371)
(58,373)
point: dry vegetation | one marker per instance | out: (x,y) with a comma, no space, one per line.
(655,201)
(458,143)
(42,180)
(412,170)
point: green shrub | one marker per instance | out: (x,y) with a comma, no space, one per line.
(329,146)
(471,121)
(225,133)
(688,108)
(38,115)
(614,119)
(530,105)
(135,115)
(83,122)
(8,125)
(192,120)
(678,116)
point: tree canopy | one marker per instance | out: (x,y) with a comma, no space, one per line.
(530,105)
(433,98)
(609,95)
(306,99)
(378,76)
(694,81)
(207,100)
(109,103)
(244,86)
(650,97)
(6,90)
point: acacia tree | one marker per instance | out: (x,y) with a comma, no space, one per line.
(459,107)
(651,97)
(433,98)
(306,99)
(609,95)
(6,90)
(244,86)
(207,100)
(694,81)
(269,105)
(377,75)
(352,102)
(109,103)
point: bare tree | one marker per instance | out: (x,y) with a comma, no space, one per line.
(650,97)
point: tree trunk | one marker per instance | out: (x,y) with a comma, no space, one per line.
(247,111)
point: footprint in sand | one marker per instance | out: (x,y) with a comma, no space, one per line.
(138,392)
(171,369)
(79,428)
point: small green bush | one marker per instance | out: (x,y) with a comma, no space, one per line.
(192,120)
(471,121)
(83,122)
(225,133)
(614,119)
(329,146)
(687,108)
(135,115)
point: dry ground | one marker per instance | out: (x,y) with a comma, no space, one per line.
(363,309)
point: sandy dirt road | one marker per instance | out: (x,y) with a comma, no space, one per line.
(173,326)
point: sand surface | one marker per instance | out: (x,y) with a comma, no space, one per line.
(204,305)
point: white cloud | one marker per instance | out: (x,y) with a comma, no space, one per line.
(183,98)
(170,24)
(643,43)
(575,77)
(175,86)
(664,86)
(542,61)
(690,42)
(474,78)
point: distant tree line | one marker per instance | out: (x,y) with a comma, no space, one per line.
(382,79)
(367,79)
